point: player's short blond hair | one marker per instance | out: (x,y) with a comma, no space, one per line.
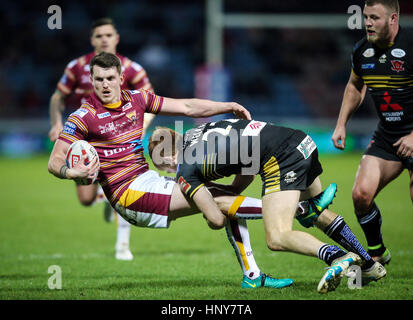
(162,135)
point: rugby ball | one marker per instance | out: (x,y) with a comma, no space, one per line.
(77,150)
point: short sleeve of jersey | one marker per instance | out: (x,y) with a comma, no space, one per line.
(67,82)
(76,127)
(355,65)
(188,179)
(137,77)
(151,102)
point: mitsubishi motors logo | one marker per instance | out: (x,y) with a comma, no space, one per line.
(394,106)
(391,111)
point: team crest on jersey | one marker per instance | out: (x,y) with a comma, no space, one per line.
(132,116)
(383,59)
(368,53)
(397,65)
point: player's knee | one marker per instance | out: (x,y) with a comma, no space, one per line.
(217,222)
(362,198)
(274,241)
(85,201)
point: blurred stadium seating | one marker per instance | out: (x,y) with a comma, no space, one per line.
(276,73)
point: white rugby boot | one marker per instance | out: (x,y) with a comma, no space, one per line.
(339,267)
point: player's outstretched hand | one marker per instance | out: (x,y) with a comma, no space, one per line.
(239,111)
(405,145)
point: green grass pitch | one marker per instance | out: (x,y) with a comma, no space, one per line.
(43,224)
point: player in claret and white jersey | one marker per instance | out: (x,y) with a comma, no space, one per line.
(111,120)
(74,88)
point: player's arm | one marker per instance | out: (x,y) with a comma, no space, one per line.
(206,204)
(239,184)
(147,120)
(56,109)
(57,164)
(353,97)
(199,108)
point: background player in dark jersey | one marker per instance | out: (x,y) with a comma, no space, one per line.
(383,65)
(74,88)
(287,161)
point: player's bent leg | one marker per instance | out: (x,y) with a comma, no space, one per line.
(278,214)
(179,206)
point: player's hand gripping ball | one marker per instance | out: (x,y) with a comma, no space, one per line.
(77,150)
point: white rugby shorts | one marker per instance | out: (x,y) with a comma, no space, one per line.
(146,202)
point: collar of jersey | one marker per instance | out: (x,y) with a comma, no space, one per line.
(386,46)
(113,105)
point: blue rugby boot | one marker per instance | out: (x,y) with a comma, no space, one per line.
(339,267)
(265,281)
(310,210)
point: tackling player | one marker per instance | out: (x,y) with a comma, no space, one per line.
(382,64)
(74,88)
(287,161)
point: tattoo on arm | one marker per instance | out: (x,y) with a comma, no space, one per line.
(63,170)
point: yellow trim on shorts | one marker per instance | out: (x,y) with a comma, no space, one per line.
(271,176)
(235,206)
(129,197)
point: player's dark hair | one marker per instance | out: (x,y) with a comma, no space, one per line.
(105,60)
(101,22)
(393,5)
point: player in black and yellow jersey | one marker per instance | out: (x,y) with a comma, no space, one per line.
(382,65)
(287,161)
